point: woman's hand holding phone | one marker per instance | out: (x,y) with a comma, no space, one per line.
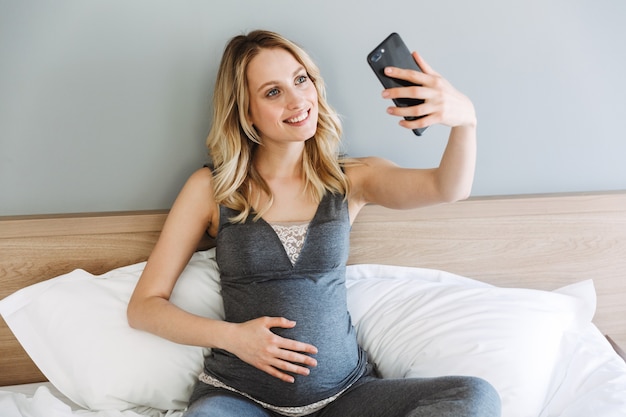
(422,96)
(443,104)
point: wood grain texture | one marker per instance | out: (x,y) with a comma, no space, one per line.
(542,241)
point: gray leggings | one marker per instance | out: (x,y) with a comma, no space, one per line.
(452,396)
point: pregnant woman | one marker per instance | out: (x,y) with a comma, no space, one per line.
(280,202)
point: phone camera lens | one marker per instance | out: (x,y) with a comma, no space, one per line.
(376,57)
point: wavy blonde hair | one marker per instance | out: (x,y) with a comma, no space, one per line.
(232,140)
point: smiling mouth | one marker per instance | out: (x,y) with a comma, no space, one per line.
(299,118)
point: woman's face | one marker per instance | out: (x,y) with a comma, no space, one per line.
(283,100)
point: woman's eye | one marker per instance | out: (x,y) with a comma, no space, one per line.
(272,92)
(301,79)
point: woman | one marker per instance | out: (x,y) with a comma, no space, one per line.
(280,203)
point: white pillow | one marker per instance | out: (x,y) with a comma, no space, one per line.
(421,323)
(74,327)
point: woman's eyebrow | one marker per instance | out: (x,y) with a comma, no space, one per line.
(268,83)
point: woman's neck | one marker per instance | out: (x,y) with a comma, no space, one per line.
(279,163)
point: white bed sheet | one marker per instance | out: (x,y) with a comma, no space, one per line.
(44,400)
(592,383)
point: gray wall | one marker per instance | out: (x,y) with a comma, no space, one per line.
(105,104)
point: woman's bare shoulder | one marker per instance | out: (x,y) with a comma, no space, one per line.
(202,177)
(197,198)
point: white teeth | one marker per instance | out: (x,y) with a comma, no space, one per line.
(298,118)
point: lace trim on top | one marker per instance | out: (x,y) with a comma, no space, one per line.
(292,236)
(285,411)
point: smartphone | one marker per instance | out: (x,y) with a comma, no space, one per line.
(392,52)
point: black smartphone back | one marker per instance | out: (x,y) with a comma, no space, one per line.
(392,52)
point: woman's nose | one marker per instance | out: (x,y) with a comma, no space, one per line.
(295,98)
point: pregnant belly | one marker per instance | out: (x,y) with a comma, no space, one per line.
(322,319)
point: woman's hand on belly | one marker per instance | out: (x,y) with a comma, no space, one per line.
(254,343)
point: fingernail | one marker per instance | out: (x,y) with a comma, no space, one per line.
(388,70)
(385,93)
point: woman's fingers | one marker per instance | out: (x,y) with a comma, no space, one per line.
(273,371)
(412,76)
(290,355)
(421,62)
(442,103)
(278,356)
(296,357)
(285,363)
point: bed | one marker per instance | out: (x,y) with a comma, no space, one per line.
(528,292)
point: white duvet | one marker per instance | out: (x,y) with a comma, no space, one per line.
(538,348)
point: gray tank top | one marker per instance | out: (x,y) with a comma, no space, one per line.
(258,279)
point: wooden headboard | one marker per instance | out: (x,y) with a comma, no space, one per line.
(541,241)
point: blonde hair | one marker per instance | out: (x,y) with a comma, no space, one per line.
(232,140)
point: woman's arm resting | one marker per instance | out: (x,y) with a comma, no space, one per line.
(149,309)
